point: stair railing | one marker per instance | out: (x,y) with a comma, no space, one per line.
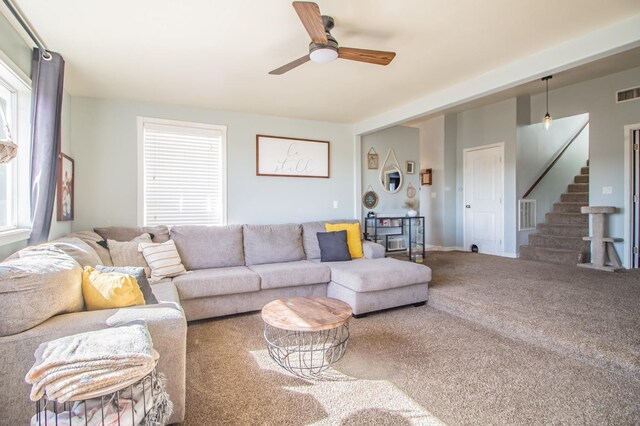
(555,160)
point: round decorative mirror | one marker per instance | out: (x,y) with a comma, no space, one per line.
(370,199)
(391,173)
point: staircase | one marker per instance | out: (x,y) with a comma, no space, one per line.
(559,238)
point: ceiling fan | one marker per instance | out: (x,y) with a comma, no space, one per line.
(323,46)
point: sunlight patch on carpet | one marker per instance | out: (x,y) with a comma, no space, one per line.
(351,401)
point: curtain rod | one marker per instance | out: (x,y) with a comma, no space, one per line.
(31,32)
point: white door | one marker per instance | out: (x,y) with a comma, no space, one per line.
(483,198)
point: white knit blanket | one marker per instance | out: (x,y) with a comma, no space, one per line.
(87,362)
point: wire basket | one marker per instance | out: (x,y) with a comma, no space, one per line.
(142,403)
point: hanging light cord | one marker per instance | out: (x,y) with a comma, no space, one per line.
(546,80)
(31,32)
(5,123)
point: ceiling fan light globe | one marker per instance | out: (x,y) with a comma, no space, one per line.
(324,55)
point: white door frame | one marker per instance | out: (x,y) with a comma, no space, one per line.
(465,237)
(628,203)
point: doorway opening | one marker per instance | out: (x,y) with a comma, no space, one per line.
(632,164)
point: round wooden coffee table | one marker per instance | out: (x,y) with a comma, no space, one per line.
(306,335)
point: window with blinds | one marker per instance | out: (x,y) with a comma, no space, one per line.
(182,173)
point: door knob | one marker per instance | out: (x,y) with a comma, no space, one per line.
(468,206)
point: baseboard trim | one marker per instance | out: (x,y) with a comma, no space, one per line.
(429,247)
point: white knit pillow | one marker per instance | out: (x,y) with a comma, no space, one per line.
(163,259)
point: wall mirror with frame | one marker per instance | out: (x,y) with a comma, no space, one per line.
(391,173)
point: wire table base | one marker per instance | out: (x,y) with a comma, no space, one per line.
(306,354)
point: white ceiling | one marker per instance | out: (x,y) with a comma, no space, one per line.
(217,54)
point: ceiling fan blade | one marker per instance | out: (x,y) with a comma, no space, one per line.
(309,14)
(291,65)
(378,57)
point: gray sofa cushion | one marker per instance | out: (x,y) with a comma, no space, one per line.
(127,233)
(216,282)
(91,238)
(291,274)
(80,251)
(310,238)
(204,247)
(364,275)
(42,283)
(272,243)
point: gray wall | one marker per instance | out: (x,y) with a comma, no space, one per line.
(105,151)
(486,125)
(432,196)
(405,141)
(606,144)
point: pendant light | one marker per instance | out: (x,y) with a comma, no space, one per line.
(546,121)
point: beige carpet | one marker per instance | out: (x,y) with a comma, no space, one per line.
(590,315)
(414,366)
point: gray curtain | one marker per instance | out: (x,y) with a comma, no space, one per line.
(47,78)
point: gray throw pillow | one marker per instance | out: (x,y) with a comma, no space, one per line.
(125,253)
(140,276)
(333,246)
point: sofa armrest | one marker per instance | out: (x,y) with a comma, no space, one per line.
(372,250)
(167,326)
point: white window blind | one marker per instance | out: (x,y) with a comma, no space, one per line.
(184,173)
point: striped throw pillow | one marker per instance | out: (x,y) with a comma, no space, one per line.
(163,259)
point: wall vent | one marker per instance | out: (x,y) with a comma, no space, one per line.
(526,215)
(628,95)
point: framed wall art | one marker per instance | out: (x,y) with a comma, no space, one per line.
(372,159)
(291,157)
(370,198)
(425,176)
(410,167)
(66,183)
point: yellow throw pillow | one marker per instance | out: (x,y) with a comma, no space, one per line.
(106,290)
(353,237)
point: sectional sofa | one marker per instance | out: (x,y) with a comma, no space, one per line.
(232,269)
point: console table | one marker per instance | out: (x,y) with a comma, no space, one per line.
(400,233)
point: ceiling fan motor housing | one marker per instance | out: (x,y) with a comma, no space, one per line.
(325,52)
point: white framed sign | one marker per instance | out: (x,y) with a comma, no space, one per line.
(292,157)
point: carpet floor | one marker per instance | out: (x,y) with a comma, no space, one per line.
(437,366)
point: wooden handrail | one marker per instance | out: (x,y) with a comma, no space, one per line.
(555,160)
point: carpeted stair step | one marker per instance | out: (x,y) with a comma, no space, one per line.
(578,187)
(565,207)
(553,241)
(552,255)
(567,218)
(584,170)
(581,179)
(575,197)
(561,230)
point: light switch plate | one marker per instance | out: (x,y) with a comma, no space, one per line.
(433,195)
(607,190)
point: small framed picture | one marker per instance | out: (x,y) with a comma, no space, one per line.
(372,159)
(410,167)
(66,183)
